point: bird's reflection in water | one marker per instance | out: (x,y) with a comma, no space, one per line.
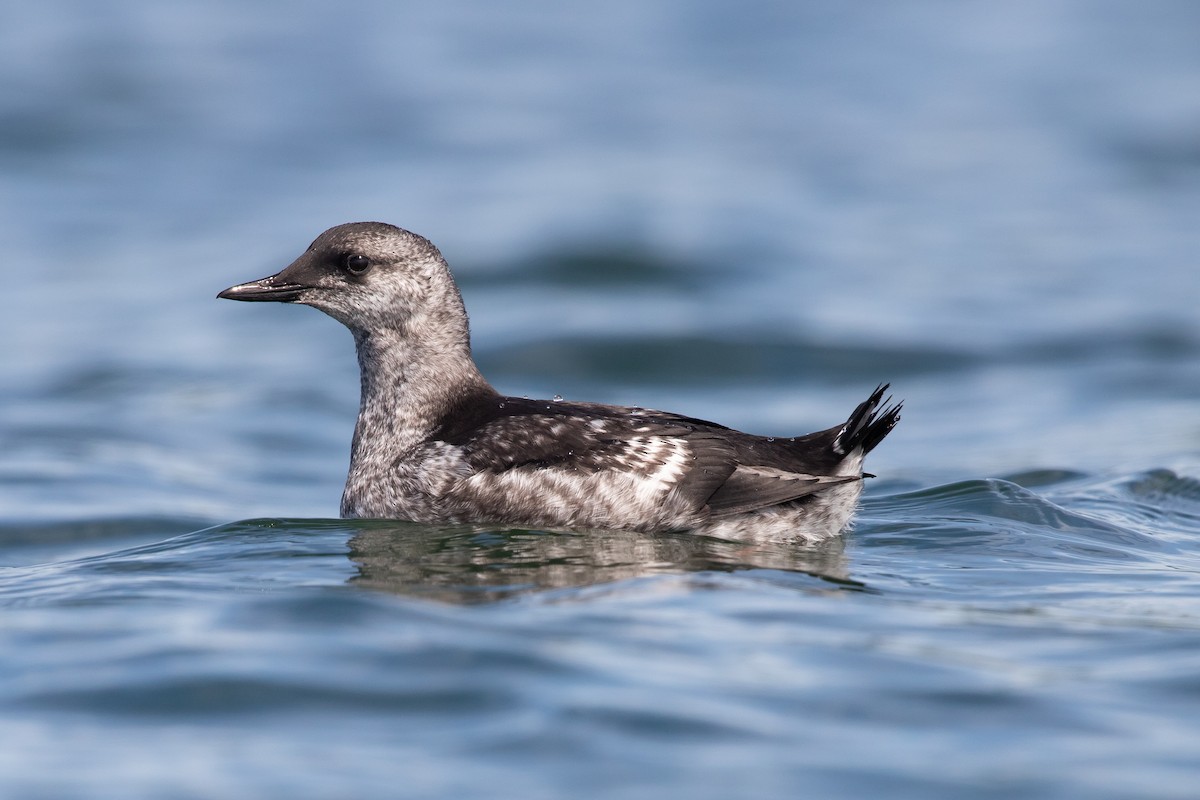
(469,564)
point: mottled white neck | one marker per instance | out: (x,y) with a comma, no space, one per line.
(408,383)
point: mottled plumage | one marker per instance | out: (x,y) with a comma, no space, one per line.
(435,442)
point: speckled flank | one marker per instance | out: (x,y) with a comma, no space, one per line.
(435,443)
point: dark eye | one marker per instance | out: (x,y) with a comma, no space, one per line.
(356,264)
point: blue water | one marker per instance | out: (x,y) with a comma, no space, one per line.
(746,212)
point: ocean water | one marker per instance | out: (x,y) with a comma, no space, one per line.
(751,213)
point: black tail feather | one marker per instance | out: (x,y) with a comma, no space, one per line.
(870,422)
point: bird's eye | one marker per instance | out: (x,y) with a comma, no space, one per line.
(356,264)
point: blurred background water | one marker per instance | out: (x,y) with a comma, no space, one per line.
(746,212)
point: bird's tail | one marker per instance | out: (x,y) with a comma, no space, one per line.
(870,422)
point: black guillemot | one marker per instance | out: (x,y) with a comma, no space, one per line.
(435,443)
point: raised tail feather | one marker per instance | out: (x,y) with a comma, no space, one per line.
(868,424)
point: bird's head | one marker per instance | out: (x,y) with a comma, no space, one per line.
(370,276)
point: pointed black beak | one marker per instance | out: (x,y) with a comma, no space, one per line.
(271,289)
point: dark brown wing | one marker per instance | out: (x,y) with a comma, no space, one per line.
(519,434)
(720,469)
(749,488)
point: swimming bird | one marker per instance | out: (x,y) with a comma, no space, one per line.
(435,443)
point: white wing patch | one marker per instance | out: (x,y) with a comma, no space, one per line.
(659,462)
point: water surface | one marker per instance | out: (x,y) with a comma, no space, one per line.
(750,214)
